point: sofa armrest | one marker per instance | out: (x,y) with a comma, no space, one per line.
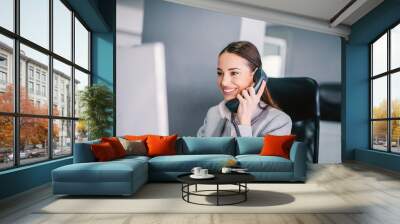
(298,157)
(83,152)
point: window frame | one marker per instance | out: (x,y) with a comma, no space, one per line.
(388,74)
(16,115)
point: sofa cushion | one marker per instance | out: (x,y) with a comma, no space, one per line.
(257,163)
(249,145)
(207,145)
(103,152)
(161,145)
(185,163)
(116,145)
(134,147)
(275,145)
(111,171)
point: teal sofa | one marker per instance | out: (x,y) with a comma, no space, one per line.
(125,176)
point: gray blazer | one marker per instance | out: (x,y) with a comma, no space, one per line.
(266,120)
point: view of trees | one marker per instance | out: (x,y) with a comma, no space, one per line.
(380,127)
(33,131)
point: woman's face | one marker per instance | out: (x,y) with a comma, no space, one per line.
(233,75)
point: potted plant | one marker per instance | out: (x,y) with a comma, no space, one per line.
(96,103)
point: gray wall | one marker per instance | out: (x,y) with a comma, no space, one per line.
(192,38)
(310,54)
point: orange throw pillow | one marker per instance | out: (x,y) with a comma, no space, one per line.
(161,145)
(136,137)
(116,145)
(103,151)
(277,145)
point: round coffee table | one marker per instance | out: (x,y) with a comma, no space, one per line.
(238,179)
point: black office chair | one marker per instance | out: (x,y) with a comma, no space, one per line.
(330,95)
(299,98)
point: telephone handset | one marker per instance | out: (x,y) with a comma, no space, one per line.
(258,77)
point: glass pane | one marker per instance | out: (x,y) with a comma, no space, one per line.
(379,55)
(6,142)
(379,135)
(35,21)
(7,14)
(6,74)
(34,72)
(395,94)
(62,29)
(81,131)
(379,97)
(33,139)
(395,47)
(395,135)
(62,89)
(81,81)
(62,138)
(81,45)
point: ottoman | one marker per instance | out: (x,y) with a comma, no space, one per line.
(118,177)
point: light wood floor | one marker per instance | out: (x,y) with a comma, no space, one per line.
(378,188)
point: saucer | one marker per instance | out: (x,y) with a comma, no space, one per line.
(208,176)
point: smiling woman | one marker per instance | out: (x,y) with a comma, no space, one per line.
(257,114)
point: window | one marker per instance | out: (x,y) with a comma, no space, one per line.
(43,90)
(6,72)
(81,81)
(62,31)
(30,87)
(3,61)
(62,74)
(3,72)
(274,56)
(30,72)
(81,45)
(34,21)
(384,92)
(37,75)
(3,78)
(7,14)
(37,89)
(44,131)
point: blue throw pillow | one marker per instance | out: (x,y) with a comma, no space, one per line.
(249,145)
(207,145)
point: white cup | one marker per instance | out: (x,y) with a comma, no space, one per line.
(226,170)
(196,171)
(203,172)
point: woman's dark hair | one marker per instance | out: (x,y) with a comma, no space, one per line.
(248,51)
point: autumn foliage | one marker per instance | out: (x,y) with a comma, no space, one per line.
(380,127)
(33,131)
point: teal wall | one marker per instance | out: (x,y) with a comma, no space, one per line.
(356,82)
(24,178)
(100,17)
(103,63)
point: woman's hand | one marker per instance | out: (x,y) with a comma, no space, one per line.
(248,102)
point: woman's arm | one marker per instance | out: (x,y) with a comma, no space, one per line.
(279,125)
(212,125)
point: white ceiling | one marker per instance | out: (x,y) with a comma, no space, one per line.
(315,15)
(319,9)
